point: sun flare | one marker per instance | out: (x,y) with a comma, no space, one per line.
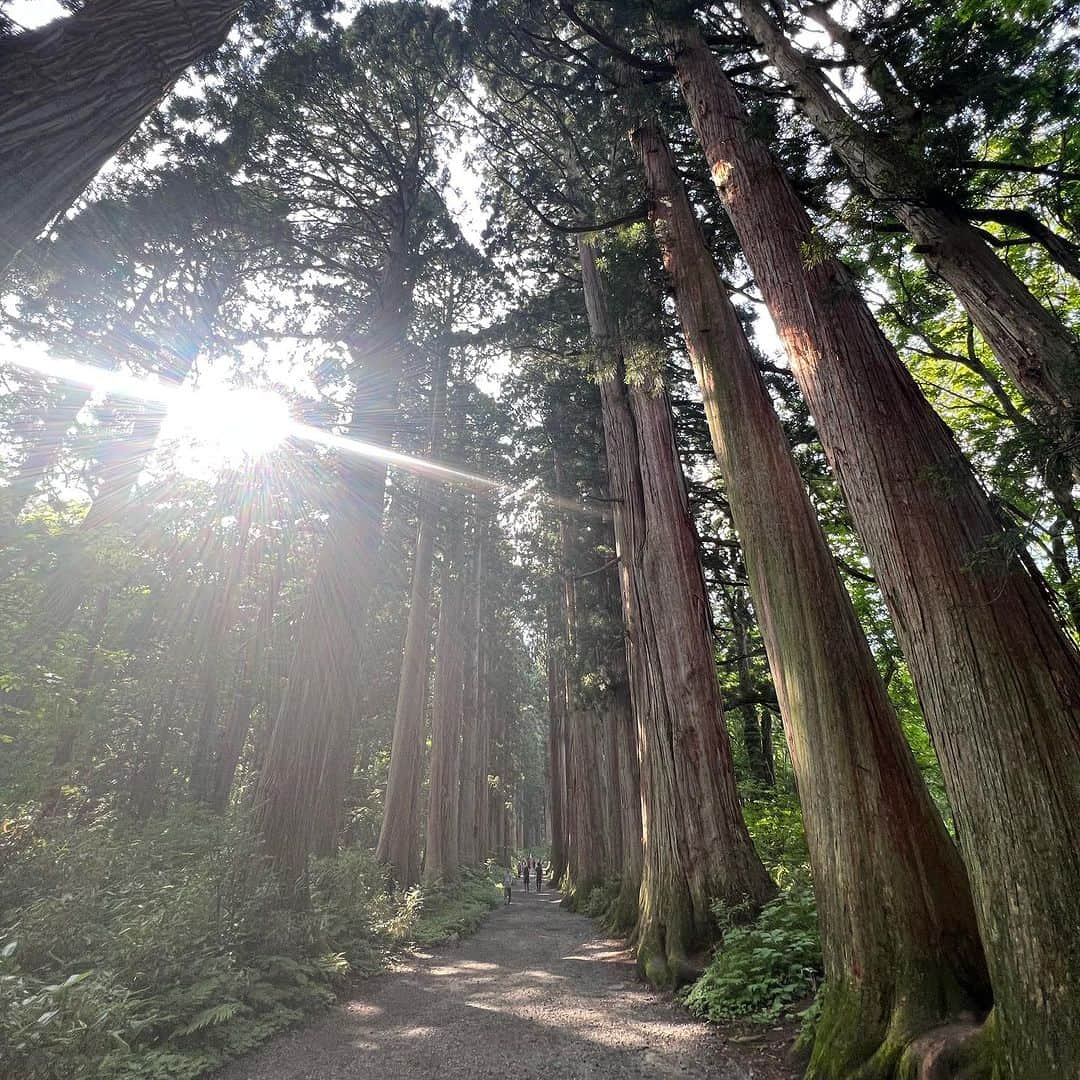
(227,425)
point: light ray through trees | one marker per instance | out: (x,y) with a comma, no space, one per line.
(122,384)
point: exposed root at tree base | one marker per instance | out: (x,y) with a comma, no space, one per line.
(846,1047)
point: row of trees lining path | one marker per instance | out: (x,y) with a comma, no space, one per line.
(871,539)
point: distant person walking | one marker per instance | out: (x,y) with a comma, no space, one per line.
(539,875)
(526,876)
(508,884)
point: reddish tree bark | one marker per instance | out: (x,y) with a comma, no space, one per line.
(1041,355)
(399,837)
(696,846)
(441,850)
(902,952)
(993,670)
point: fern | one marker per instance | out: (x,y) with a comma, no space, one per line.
(211,1017)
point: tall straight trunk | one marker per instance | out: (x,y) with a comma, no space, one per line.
(441,849)
(503,830)
(584,802)
(696,846)
(901,947)
(302,781)
(222,616)
(556,736)
(755,758)
(469,852)
(399,837)
(144,786)
(74,91)
(255,679)
(993,670)
(75,709)
(483,723)
(305,737)
(624,851)
(624,480)
(1041,355)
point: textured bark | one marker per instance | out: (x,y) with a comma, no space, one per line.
(902,951)
(584,802)
(556,745)
(399,837)
(696,846)
(625,853)
(302,782)
(751,727)
(992,669)
(222,616)
(1039,352)
(483,723)
(441,849)
(254,672)
(145,782)
(469,850)
(74,91)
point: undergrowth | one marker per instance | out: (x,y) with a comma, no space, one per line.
(761,969)
(160,953)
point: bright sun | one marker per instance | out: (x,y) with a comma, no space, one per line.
(223,426)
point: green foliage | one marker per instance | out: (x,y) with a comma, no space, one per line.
(761,969)
(776,826)
(164,952)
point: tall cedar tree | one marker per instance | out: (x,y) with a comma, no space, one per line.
(902,951)
(956,593)
(697,850)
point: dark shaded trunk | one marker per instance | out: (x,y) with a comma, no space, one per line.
(556,743)
(622,768)
(696,846)
(469,851)
(255,680)
(222,618)
(992,668)
(75,709)
(144,795)
(751,726)
(584,813)
(399,836)
(74,91)
(441,848)
(303,780)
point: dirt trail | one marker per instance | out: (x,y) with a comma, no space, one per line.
(536,992)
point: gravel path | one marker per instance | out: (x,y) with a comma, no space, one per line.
(536,992)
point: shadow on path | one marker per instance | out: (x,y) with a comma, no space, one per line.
(536,992)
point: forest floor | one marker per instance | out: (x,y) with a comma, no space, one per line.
(536,992)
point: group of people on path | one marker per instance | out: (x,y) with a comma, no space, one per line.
(528,869)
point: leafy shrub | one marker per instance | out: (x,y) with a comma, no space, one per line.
(776,826)
(163,952)
(760,969)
